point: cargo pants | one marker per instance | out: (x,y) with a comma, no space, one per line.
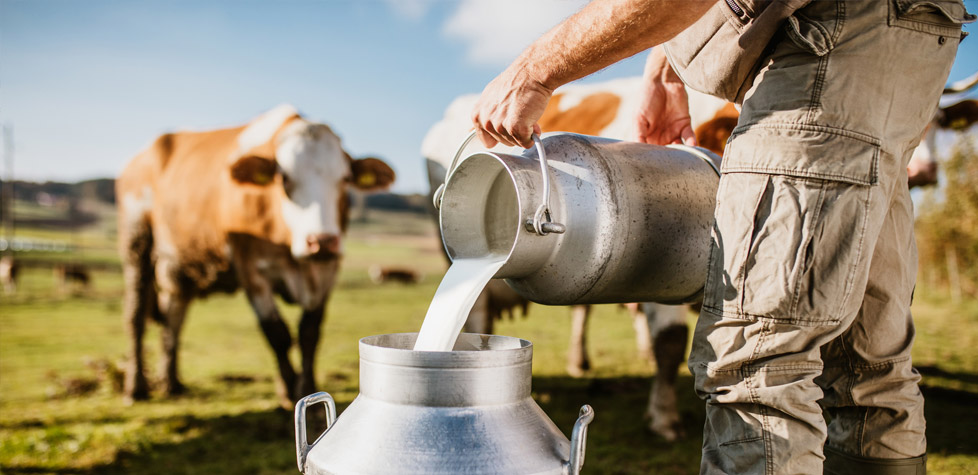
(813,260)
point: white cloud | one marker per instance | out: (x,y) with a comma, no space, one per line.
(410,9)
(496,31)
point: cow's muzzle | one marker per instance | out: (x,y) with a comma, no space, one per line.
(323,245)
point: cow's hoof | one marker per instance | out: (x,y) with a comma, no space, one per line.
(577,371)
(174,388)
(671,432)
(130,399)
(285,403)
(303,389)
(136,389)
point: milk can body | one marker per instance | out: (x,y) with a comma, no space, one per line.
(466,411)
(636,219)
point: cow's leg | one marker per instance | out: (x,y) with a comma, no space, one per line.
(670,334)
(139,299)
(310,327)
(577,360)
(277,333)
(643,339)
(480,318)
(173,305)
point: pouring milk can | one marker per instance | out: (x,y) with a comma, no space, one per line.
(585,219)
(466,411)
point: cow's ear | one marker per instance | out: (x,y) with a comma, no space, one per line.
(371,174)
(254,170)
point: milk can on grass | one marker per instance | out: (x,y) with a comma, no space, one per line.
(586,219)
(465,411)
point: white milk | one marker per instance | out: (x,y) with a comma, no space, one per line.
(453,300)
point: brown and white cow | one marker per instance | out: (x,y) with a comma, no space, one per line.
(608,109)
(260,207)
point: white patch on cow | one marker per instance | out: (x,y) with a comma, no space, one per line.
(135,207)
(662,316)
(622,127)
(263,128)
(314,170)
(926,151)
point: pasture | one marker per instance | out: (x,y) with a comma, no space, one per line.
(60,411)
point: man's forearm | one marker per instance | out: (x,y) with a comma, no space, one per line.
(603,33)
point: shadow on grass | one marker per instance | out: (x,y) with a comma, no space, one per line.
(937,372)
(618,441)
(247,443)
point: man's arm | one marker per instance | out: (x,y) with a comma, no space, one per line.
(663,107)
(602,33)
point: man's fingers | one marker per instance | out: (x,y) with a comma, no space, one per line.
(487,140)
(498,134)
(642,129)
(689,137)
(523,136)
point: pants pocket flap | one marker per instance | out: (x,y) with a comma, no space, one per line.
(805,151)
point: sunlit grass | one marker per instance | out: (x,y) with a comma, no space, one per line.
(229,421)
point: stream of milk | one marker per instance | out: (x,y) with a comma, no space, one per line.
(453,300)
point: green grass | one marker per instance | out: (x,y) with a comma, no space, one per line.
(229,421)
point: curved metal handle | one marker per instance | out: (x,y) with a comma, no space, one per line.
(302,446)
(579,440)
(535,224)
(458,153)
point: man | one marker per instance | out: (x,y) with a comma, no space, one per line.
(813,259)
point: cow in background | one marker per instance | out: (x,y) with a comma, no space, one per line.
(261,207)
(68,273)
(957,116)
(9,272)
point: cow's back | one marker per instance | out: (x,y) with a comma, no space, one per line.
(606,109)
(176,190)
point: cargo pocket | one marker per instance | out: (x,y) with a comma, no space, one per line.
(937,17)
(816,27)
(789,231)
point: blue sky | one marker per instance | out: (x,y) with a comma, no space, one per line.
(87,84)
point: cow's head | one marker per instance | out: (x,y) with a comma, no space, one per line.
(922,169)
(308,162)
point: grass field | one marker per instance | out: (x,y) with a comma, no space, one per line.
(59,412)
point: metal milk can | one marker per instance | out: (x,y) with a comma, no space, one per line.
(586,219)
(465,411)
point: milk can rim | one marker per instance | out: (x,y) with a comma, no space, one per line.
(370,351)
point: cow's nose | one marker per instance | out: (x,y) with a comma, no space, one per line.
(327,244)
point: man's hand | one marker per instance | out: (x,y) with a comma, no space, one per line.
(663,112)
(509,107)
(601,34)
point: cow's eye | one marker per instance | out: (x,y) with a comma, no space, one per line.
(348,179)
(288,184)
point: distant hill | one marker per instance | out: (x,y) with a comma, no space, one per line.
(103,190)
(99,189)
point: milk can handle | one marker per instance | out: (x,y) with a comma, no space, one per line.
(301,443)
(579,440)
(537,223)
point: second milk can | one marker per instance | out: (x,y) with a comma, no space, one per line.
(461,412)
(584,219)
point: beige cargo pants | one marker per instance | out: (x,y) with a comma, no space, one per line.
(813,258)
